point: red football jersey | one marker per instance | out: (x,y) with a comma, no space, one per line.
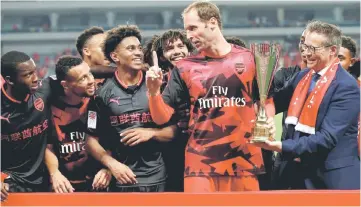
(221,95)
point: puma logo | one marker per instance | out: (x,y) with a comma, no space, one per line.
(114,100)
(5,118)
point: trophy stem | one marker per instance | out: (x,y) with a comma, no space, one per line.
(262,114)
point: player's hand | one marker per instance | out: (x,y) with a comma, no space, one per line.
(270,145)
(102,179)
(132,137)
(4,191)
(271,125)
(184,114)
(122,173)
(60,183)
(154,77)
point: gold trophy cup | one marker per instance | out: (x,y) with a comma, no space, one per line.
(266,57)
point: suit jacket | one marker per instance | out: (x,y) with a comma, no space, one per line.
(329,157)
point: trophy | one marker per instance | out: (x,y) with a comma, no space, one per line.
(266,58)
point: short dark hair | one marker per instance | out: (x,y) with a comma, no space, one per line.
(170,35)
(64,64)
(83,38)
(10,62)
(116,35)
(236,41)
(147,50)
(350,44)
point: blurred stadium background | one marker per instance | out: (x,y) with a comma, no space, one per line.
(48,29)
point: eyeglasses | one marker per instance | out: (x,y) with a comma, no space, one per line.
(312,48)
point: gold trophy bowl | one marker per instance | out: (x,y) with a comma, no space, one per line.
(266,59)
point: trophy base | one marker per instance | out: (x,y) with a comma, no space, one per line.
(257,139)
(261,131)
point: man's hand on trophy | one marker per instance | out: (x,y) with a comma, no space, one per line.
(271,125)
(154,77)
(270,145)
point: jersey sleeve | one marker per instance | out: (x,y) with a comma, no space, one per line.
(96,117)
(53,133)
(51,87)
(98,123)
(175,93)
(283,75)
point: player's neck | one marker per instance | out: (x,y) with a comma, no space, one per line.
(219,48)
(15,94)
(129,77)
(89,62)
(72,100)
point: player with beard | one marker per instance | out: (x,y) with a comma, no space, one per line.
(68,163)
(218,83)
(171,47)
(25,125)
(89,46)
(121,110)
(23,94)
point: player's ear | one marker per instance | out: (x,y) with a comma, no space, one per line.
(9,80)
(114,57)
(213,23)
(333,50)
(86,51)
(64,84)
(353,60)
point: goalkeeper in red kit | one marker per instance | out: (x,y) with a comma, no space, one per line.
(218,83)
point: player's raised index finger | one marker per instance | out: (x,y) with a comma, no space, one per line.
(155,59)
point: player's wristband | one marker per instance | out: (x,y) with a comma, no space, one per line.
(4,176)
(150,95)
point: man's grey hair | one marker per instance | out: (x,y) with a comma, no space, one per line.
(330,31)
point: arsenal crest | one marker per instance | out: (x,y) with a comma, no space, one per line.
(240,68)
(39,104)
